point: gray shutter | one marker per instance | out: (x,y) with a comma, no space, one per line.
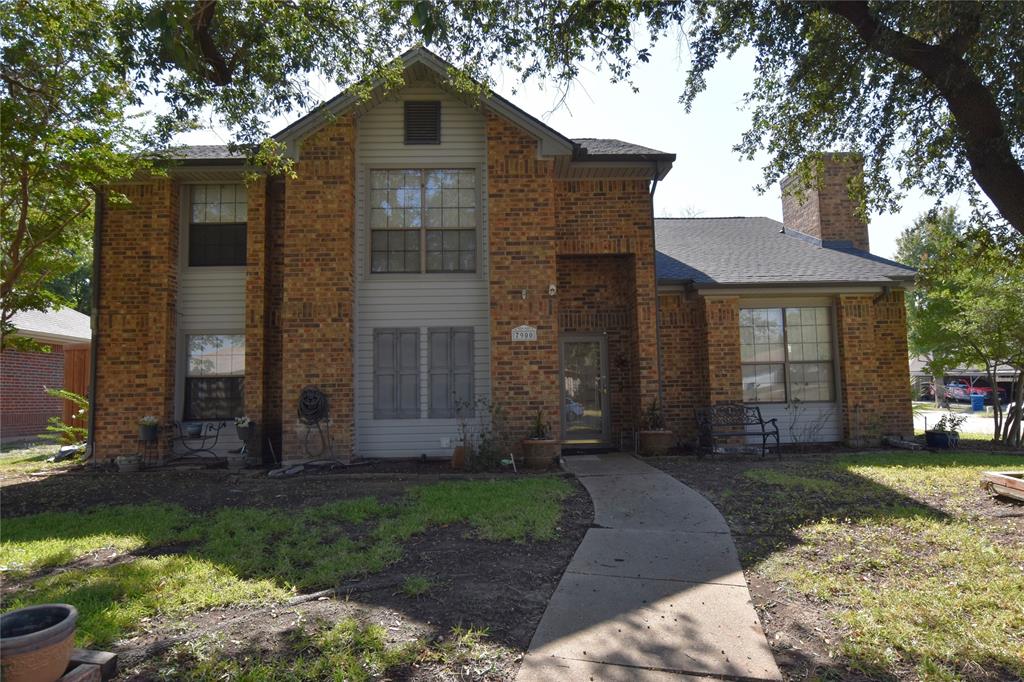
(396,376)
(462,366)
(408,374)
(451,372)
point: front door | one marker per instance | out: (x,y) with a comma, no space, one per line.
(585,417)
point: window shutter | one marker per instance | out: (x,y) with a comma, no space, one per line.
(396,376)
(440,374)
(422,122)
(451,372)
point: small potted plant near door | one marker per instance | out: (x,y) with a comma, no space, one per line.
(244,428)
(946,433)
(147,429)
(655,439)
(540,451)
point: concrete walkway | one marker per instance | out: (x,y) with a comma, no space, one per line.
(654,593)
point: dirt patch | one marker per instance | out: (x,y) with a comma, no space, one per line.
(501,587)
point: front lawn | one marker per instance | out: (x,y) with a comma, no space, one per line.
(148,579)
(885,564)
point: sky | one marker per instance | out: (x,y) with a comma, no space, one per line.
(708,178)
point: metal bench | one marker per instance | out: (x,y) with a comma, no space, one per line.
(731,420)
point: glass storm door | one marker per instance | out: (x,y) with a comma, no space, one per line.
(585,417)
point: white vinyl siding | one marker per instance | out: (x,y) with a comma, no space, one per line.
(211,300)
(423,301)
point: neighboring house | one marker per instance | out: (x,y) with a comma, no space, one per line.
(25,375)
(432,251)
(922,379)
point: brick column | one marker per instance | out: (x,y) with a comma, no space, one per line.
(521,220)
(873,367)
(318,285)
(136,316)
(256,282)
(725,377)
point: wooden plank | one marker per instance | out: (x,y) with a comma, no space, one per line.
(105,660)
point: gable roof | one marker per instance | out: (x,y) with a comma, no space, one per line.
(754,251)
(422,60)
(60,325)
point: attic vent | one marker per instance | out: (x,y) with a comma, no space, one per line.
(422,122)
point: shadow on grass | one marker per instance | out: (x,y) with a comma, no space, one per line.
(245,556)
(899,544)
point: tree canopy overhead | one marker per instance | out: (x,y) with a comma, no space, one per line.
(928,90)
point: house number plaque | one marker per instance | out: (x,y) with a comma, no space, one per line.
(524,333)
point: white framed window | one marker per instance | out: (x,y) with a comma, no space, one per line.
(214,377)
(217,225)
(423,220)
(787,354)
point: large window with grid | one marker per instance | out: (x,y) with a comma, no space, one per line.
(214,376)
(423,220)
(786,354)
(216,231)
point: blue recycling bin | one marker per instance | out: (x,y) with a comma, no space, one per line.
(977,403)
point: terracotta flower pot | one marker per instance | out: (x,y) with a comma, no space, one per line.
(656,443)
(459,457)
(36,642)
(540,454)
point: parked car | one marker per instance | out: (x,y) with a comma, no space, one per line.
(961,391)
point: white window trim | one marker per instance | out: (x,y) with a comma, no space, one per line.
(185,219)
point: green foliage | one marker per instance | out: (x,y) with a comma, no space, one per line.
(56,429)
(65,132)
(968,305)
(416,586)
(539,430)
(653,419)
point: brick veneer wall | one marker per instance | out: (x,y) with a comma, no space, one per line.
(318,285)
(827,212)
(273,357)
(874,372)
(614,217)
(684,361)
(136,316)
(256,306)
(722,335)
(521,220)
(597,294)
(24,405)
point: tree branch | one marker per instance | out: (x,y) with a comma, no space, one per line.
(974,108)
(201,20)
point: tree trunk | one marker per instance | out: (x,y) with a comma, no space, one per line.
(939,389)
(997,408)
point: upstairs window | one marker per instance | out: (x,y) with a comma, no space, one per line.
(423,220)
(422,122)
(216,231)
(214,376)
(786,354)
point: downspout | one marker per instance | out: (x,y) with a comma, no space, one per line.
(657,301)
(97,236)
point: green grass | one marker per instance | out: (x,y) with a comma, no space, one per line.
(921,585)
(249,555)
(416,586)
(785,480)
(23,459)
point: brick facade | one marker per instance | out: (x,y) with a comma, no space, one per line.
(521,205)
(874,373)
(827,211)
(684,361)
(256,308)
(319,286)
(135,364)
(722,345)
(24,405)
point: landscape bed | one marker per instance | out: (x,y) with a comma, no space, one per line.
(214,574)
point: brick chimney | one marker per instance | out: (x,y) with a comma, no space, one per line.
(827,211)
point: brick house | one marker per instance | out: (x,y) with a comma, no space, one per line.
(431,250)
(25,407)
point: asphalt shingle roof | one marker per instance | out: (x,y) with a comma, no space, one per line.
(204,152)
(59,322)
(595,146)
(752,251)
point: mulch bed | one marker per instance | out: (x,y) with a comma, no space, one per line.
(503,587)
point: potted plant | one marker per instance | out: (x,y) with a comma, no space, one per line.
(244,428)
(147,429)
(655,439)
(946,433)
(194,429)
(540,451)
